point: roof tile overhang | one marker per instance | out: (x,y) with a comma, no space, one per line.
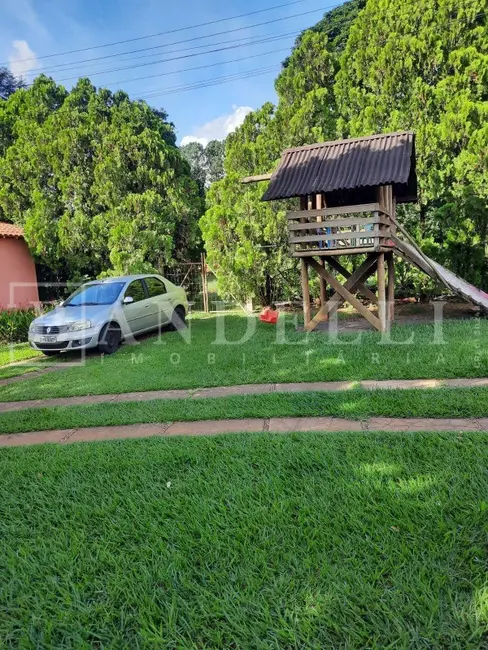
(9,230)
(382,159)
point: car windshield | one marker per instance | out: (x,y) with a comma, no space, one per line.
(105,293)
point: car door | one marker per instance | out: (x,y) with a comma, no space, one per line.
(136,312)
(160,306)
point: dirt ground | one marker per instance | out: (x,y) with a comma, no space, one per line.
(405,314)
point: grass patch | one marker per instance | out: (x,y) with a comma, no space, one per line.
(15,371)
(12,353)
(255,541)
(353,404)
(173,362)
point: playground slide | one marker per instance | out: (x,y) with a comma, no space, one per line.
(457,285)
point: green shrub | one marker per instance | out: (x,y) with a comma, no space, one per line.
(14,324)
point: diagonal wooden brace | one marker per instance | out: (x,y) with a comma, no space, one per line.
(339,300)
(343,293)
(367,268)
(359,286)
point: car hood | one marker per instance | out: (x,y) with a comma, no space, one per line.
(65,315)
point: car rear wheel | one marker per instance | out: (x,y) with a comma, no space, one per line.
(178,321)
(109,340)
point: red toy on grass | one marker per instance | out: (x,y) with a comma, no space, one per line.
(269,315)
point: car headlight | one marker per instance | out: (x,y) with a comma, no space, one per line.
(32,326)
(79,325)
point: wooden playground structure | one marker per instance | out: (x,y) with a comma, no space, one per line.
(348,192)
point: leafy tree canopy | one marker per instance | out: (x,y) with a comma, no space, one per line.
(9,83)
(95,179)
(370,67)
(423,65)
(246,239)
(206,163)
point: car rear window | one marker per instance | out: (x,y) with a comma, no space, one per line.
(155,287)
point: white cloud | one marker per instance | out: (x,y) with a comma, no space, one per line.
(191,138)
(219,128)
(18,66)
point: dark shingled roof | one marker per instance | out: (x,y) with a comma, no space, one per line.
(347,164)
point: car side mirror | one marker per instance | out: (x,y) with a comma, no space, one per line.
(61,303)
(128,300)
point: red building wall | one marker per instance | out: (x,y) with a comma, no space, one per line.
(17,266)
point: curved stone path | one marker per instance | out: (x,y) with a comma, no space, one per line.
(246,389)
(252,425)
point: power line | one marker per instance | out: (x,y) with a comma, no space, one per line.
(170,31)
(200,67)
(198,38)
(236,76)
(174,58)
(209,82)
(252,40)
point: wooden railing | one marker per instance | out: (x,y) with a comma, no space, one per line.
(330,231)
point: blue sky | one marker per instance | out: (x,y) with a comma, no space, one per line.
(32,29)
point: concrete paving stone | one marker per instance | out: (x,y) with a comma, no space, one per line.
(401,384)
(320,386)
(476,382)
(285,425)
(215,427)
(420,424)
(246,389)
(34,438)
(250,425)
(117,432)
(150,395)
(227,391)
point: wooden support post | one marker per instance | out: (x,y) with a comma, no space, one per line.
(381,291)
(304,205)
(320,203)
(323,287)
(204,282)
(305,291)
(391,288)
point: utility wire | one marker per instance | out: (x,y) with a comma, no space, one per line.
(200,67)
(142,65)
(199,38)
(219,80)
(235,45)
(210,82)
(252,40)
(170,31)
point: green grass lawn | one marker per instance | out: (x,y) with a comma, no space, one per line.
(173,362)
(355,404)
(251,541)
(12,353)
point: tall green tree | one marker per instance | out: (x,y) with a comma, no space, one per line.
(246,239)
(423,65)
(206,163)
(95,179)
(9,83)
(214,158)
(194,154)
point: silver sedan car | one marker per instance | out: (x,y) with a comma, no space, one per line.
(105,312)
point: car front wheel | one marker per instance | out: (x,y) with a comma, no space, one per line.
(109,340)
